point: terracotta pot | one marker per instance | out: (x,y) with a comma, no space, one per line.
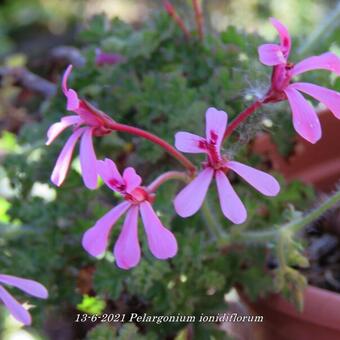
(317,164)
(320,319)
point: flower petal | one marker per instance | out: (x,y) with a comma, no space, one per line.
(28,286)
(95,239)
(328,97)
(14,307)
(67,73)
(72,100)
(261,181)
(70,94)
(326,61)
(57,128)
(162,242)
(127,250)
(271,54)
(188,142)
(189,200)
(305,119)
(216,124)
(64,159)
(285,39)
(231,205)
(88,160)
(132,180)
(108,171)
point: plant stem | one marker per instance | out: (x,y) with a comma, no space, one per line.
(173,14)
(249,237)
(198,17)
(153,138)
(211,222)
(264,236)
(241,117)
(153,186)
(296,226)
(281,243)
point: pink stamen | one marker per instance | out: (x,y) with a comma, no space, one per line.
(137,196)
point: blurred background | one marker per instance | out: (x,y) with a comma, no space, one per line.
(34,26)
(32,30)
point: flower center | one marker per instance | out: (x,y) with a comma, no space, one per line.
(281,78)
(212,148)
(94,118)
(138,195)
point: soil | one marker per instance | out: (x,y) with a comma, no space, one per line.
(323,251)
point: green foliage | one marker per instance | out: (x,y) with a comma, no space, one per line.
(8,142)
(165,85)
(288,280)
(4,206)
(127,331)
(102,331)
(91,305)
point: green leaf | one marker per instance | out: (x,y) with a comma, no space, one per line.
(91,305)
(8,142)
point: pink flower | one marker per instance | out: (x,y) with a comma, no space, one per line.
(104,58)
(87,122)
(191,198)
(28,286)
(161,241)
(305,119)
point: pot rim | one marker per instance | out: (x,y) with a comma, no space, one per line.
(321,307)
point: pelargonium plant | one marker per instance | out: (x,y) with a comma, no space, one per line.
(90,122)
(171,236)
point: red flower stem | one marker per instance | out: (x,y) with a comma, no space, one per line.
(241,117)
(198,17)
(166,177)
(154,139)
(173,14)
